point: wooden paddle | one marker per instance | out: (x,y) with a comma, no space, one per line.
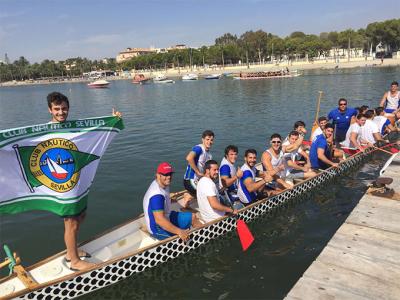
(315,124)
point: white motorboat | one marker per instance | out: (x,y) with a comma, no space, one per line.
(99,84)
(161,78)
(213,76)
(191,76)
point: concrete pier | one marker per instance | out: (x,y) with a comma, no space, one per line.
(362,260)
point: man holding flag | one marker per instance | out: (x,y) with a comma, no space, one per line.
(51,167)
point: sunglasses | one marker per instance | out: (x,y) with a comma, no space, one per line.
(166,175)
(341,104)
(276,142)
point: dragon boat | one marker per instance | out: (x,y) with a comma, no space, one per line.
(129,249)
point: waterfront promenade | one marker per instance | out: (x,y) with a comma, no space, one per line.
(361,261)
(178,72)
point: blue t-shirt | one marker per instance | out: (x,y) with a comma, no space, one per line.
(156,203)
(319,142)
(342,120)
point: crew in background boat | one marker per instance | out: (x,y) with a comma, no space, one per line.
(273,163)
(322,121)
(161,221)
(249,190)
(58,105)
(391,99)
(383,123)
(208,197)
(351,144)
(229,176)
(196,159)
(370,133)
(295,169)
(341,118)
(320,153)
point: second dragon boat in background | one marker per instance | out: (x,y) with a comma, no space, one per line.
(267,75)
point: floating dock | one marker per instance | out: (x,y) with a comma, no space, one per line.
(362,260)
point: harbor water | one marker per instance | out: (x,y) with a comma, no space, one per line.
(162,123)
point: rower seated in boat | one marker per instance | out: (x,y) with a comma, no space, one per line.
(322,121)
(196,159)
(161,222)
(383,123)
(320,153)
(208,197)
(293,151)
(229,176)
(351,144)
(250,190)
(273,162)
(370,133)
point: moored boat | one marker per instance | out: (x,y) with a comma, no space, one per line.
(212,76)
(161,78)
(128,248)
(140,79)
(99,84)
(189,77)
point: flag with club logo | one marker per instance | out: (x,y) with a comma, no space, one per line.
(52,166)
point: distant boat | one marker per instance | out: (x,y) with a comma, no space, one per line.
(140,79)
(161,78)
(212,76)
(267,74)
(99,84)
(188,77)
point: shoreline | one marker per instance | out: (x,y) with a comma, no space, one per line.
(178,72)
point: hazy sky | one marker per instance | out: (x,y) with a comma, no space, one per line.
(97,28)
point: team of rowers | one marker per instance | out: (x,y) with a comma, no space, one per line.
(223,188)
(265,74)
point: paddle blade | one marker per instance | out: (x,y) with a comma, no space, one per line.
(245,236)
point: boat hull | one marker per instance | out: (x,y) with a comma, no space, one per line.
(265,77)
(119,268)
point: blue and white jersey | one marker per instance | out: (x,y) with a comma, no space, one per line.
(202,156)
(155,199)
(244,195)
(229,170)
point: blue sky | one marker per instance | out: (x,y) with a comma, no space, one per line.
(97,28)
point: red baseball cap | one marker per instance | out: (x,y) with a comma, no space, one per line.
(165,168)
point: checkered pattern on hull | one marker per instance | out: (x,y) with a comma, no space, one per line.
(135,264)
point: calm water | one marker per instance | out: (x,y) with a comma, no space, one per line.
(162,123)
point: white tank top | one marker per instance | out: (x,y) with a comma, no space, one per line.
(392,102)
(276,161)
